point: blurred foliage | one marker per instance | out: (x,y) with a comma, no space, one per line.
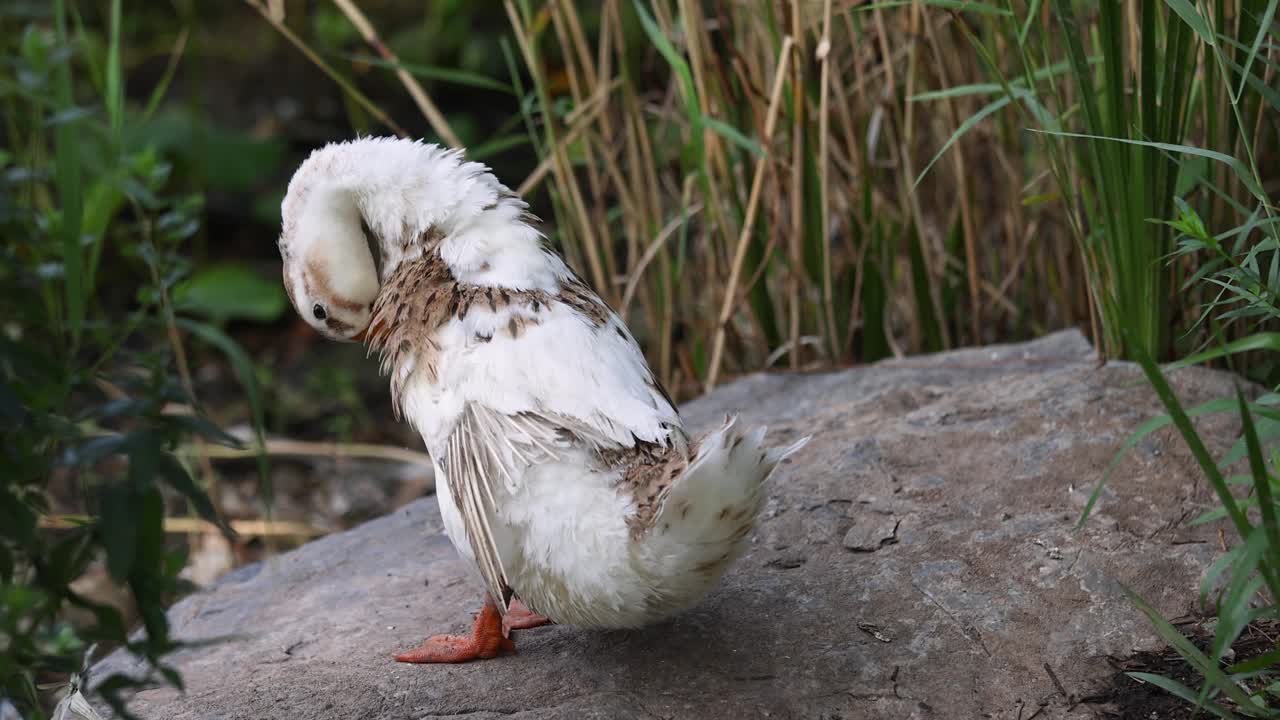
(94,393)
(231,292)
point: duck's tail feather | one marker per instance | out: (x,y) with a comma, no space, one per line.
(709,512)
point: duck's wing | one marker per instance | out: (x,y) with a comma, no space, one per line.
(488,450)
(536,380)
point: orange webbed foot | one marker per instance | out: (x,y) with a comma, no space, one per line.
(488,639)
(520,617)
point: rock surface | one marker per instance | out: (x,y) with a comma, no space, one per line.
(918,559)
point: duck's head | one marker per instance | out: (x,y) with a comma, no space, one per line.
(329,269)
(355,211)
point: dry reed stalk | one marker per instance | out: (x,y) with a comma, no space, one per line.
(411,84)
(561,168)
(753,203)
(274,15)
(333,450)
(581,78)
(796,194)
(650,252)
(962,190)
(823,55)
(191,525)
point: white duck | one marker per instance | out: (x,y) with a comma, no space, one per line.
(563,469)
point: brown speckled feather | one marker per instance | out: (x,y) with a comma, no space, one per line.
(647,471)
(421,296)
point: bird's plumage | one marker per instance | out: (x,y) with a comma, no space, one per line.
(564,469)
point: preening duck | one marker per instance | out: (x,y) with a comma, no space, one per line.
(563,469)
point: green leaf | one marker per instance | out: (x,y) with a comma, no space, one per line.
(1148,427)
(1258,341)
(968,124)
(1253,665)
(70,555)
(431,72)
(1192,439)
(228,160)
(145,581)
(1190,653)
(1266,508)
(16,516)
(489,148)
(67,164)
(1239,167)
(733,135)
(231,292)
(162,87)
(243,368)
(173,473)
(990,88)
(669,53)
(118,527)
(961,5)
(202,426)
(1174,687)
(115,78)
(1193,19)
(1033,9)
(1234,612)
(94,449)
(1215,571)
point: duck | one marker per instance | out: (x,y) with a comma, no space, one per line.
(565,475)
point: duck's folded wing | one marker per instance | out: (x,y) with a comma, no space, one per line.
(535,381)
(487,453)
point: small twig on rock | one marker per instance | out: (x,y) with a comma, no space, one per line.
(1058,684)
(261,528)
(302,448)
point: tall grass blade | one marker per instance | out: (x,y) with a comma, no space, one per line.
(733,135)
(1264,24)
(1033,9)
(1194,657)
(1258,341)
(115,78)
(244,371)
(1174,687)
(1252,665)
(170,69)
(1148,427)
(1241,170)
(1192,17)
(1193,441)
(958,5)
(968,124)
(67,163)
(431,72)
(1266,506)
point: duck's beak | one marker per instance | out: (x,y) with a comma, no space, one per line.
(372,330)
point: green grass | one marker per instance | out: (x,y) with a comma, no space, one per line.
(87,391)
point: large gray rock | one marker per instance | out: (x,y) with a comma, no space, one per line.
(918,559)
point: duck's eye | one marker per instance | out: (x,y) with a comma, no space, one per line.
(318,311)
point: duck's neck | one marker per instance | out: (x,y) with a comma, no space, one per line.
(419,199)
(416,198)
